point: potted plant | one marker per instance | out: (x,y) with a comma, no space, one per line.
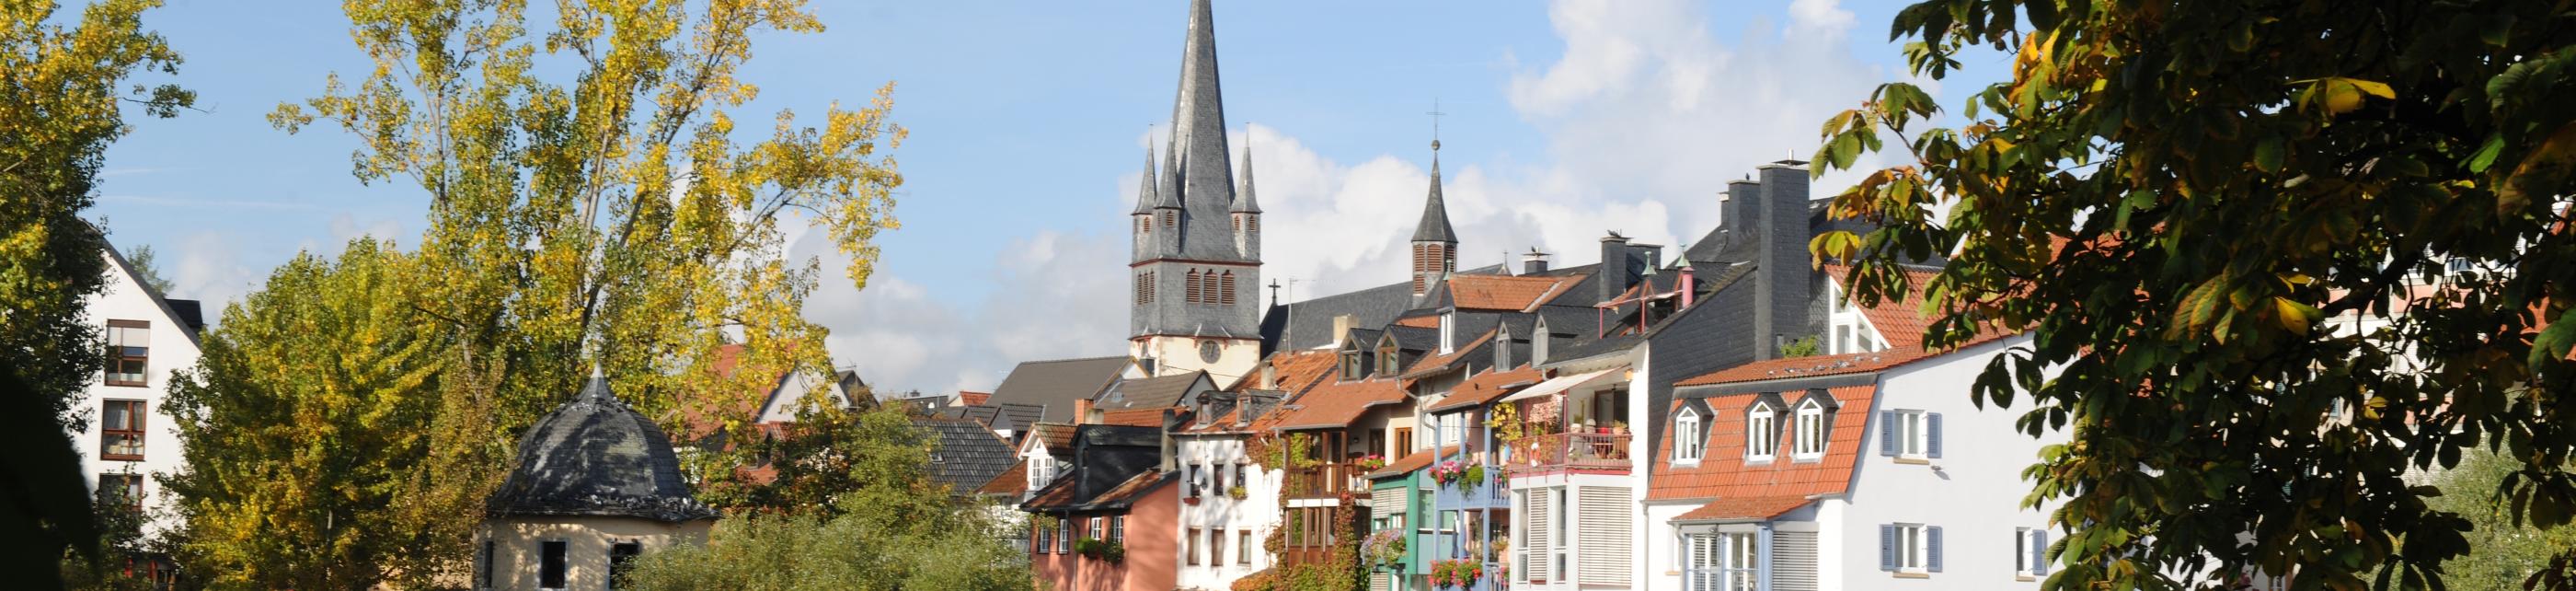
(1370,463)
(1384,549)
(1457,574)
(1237,492)
(1110,551)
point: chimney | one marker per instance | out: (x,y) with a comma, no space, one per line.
(1743,204)
(1341,329)
(1781,304)
(1269,376)
(1082,411)
(1172,421)
(1533,263)
(1686,286)
(1614,274)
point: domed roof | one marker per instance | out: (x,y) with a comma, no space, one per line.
(595,456)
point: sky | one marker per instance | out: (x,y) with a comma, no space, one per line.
(1562,120)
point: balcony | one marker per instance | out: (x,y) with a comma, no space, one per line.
(1325,481)
(1572,450)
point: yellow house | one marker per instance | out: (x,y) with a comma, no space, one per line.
(596,485)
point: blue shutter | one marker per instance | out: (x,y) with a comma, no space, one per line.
(2039,552)
(1886,547)
(1932,548)
(1887,433)
(1932,435)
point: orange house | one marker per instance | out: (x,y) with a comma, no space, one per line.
(1112,521)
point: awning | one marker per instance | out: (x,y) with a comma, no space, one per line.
(1559,384)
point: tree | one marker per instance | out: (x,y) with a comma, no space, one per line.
(589,207)
(2506,552)
(889,527)
(120,519)
(2190,205)
(148,266)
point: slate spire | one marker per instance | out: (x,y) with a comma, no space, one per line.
(1243,201)
(1435,213)
(1198,121)
(1146,197)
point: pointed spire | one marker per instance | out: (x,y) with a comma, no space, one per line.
(1146,197)
(1435,213)
(1198,120)
(1243,201)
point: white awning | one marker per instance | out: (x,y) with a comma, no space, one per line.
(1559,384)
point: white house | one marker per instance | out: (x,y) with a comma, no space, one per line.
(1230,500)
(128,437)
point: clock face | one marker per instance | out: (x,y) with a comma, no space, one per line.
(1208,351)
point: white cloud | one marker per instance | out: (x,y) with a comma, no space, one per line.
(1646,117)
(209,270)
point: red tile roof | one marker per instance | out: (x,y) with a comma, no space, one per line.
(1133,417)
(1419,322)
(972,398)
(1505,292)
(1012,481)
(1806,367)
(1337,403)
(1407,464)
(1487,387)
(1902,322)
(1745,508)
(1723,474)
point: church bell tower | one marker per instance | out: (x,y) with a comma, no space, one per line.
(1197,265)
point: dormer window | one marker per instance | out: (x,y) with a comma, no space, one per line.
(1688,439)
(1762,433)
(1810,439)
(1448,332)
(1350,365)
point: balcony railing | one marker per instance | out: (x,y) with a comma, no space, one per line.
(1325,481)
(1575,450)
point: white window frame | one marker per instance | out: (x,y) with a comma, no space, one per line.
(1913,548)
(1688,440)
(2030,547)
(1913,434)
(1761,433)
(1810,439)
(1448,333)
(1741,563)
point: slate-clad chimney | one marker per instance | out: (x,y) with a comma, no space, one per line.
(1614,274)
(1533,263)
(1743,204)
(1781,310)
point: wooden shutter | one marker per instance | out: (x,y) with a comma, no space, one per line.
(1932,548)
(1932,434)
(1887,433)
(1600,527)
(1886,547)
(1534,524)
(1793,561)
(2039,551)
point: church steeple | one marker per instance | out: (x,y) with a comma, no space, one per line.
(1243,201)
(1196,277)
(1435,244)
(1198,120)
(1146,199)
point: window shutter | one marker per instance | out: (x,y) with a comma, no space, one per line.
(2039,551)
(1886,547)
(1887,433)
(1932,435)
(1932,548)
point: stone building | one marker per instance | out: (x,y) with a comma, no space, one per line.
(597,485)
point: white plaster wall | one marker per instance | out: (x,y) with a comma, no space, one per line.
(1661,560)
(516,554)
(1235,358)
(1258,511)
(172,348)
(1973,492)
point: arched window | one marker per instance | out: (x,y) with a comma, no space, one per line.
(1168,218)
(1761,432)
(1207,288)
(1810,436)
(1688,440)
(1191,293)
(1225,288)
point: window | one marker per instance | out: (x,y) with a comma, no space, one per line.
(2030,551)
(1843,339)
(1193,547)
(1243,547)
(1761,432)
(1041,471)
(1701,573)
(1909,548)
(1910,434)
(1403,442)
(1064,536)
(1144,287)
(126,487)
(1099,527)
(1448,332)
(1216,547)
(550,563)
(483,566)
(120,430)
(1046,540)
(1687,438)
(129,347)
(618,555)
(1190,287)
(1743,561)
(1167,219)
(1217,472)
(1238,478)
(1810,440)
(1118,528)
(1350,365)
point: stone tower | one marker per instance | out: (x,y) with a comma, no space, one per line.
(1197,265)
(1435,244)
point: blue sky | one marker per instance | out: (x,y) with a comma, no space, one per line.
(1564,120)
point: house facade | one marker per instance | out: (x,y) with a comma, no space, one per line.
(130,437)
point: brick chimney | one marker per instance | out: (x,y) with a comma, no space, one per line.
(1614,275)
(1082,411)
(1782,303)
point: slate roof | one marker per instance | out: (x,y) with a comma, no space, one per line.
(1805,367)
(1434,226)
(1487,387)
(1196,169)
(1056,383)
(1163,391)
(969,455)
(594,456)
(1107,462)
(1722,472)
(1309,324)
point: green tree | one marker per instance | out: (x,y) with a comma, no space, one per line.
(889,527)
(120,521)
(2187,204)
(2507,552)
(147,265)
(826,454)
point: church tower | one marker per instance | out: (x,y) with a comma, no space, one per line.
(1435,244)
(1197,265)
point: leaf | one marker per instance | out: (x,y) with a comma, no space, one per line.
(2294,315)
(2554,341)
(2543,171)
(2267,154)
(2486,155)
